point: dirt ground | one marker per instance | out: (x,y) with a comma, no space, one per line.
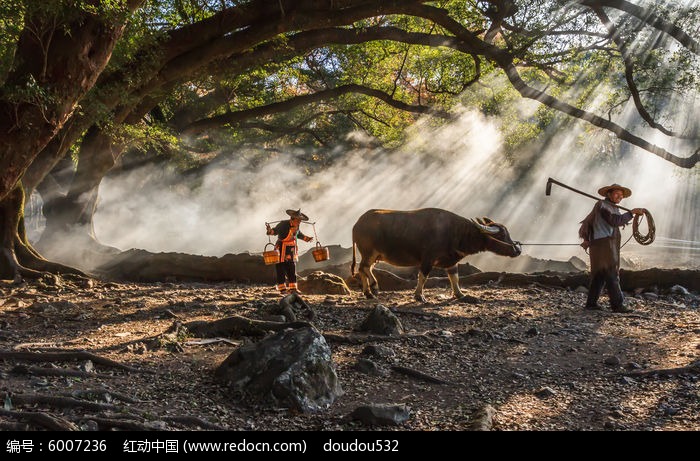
(531,352)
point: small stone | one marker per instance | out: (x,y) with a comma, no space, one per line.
(680,290)
(627,380)
(381,414)
(650,296)
(87,366)
(89,425)
(377,350)
(612,361)
(545,393)
(581,289)
(532,332)
(369,367)
(669,410)
(87,283)
(617,414)
(381,321)
(633,366)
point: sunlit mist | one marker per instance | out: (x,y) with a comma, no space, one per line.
(459,167)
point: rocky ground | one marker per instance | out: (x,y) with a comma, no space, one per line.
(530,352)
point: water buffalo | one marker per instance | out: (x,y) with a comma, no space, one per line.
(427,237)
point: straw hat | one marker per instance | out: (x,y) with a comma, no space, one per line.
(604,190)
(297,214)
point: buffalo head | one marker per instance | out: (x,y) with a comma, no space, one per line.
(497,237)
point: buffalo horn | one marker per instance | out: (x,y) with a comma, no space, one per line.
(486,229)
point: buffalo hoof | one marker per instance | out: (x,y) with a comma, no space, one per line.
(419,298)
(374,291)
(369,295)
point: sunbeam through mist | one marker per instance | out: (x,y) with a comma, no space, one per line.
(460,167)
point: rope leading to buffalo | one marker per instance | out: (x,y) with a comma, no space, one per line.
(641,239)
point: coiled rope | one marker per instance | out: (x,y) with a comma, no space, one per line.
(649,237)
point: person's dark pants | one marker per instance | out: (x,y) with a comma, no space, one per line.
(286,275)
(609,279)
(605,265)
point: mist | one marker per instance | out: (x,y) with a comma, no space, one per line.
(461,167)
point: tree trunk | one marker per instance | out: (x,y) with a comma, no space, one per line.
(69,236)
(58,58)
(17,257)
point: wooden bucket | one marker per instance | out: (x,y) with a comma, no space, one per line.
(271,256)
(320,253)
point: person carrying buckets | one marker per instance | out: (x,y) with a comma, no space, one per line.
(287,232)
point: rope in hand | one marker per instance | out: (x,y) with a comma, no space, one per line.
(644,239)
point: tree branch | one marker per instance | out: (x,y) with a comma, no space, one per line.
(629,74)
(284,106)
(648,17)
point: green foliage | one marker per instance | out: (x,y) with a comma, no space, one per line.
(11,23)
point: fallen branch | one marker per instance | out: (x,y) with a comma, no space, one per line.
(66,356)
(418,374)
(53,423)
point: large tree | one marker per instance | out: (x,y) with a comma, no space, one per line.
(60,50)
(259,70)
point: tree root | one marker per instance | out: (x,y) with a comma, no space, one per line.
(44,420)
(105,424)
(693,369)
(5,426)
(60,402)
(412,372)
(103,393)
(194,421)
(40,371)
(237,326)
(358,339)
(66,356)
(369,338)
(120,420)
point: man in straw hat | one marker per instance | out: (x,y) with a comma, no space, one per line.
(287,233)
(600,231)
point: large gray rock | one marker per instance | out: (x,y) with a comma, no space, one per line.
(381,321)
(292,368)
(321,283)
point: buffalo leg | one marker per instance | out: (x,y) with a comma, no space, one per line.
(365,276)
(373,283)
(422,277)
(418,295)
(454,281)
